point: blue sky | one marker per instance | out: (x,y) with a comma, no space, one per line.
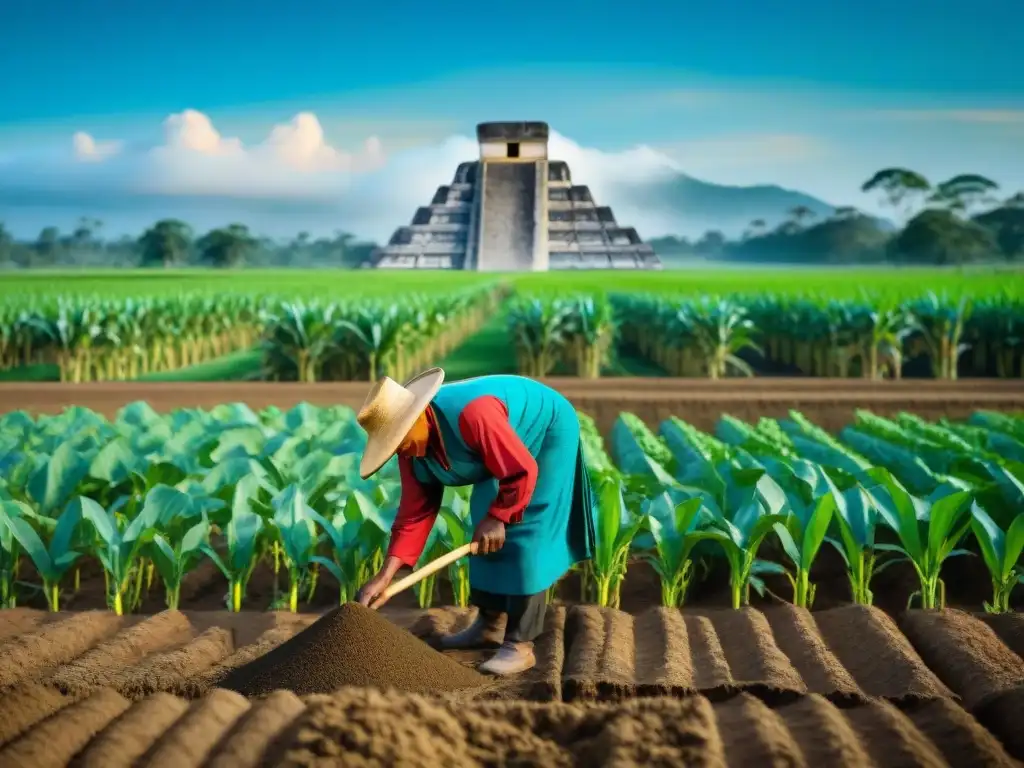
(810,96)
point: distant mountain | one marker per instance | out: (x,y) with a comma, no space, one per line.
(692,206)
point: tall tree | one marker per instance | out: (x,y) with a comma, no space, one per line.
(166,243)
(48,246)
(964,192)
(6,246)
(226,247)
(800,214)
(937,236)
(900,187)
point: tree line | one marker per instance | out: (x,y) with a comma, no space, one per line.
(961,220)
(173,243)
(958,221)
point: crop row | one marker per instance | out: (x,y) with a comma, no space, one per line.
(149,495)
(98,339)
(102,339)
(720,336)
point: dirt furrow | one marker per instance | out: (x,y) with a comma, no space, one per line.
(663,655)
(1003,715)
(55,741)
(198,684)
(370,728)
(131,735)
(753,734)
(195,734)
(245,745)
(822,733)
(965,653)
(1009,627)
(101,666)
(25,705)
(166,671)
(59,642)
(600,660)
(891,738)
(544,682)
(19,621)
(878,657)
(959,737)
(442,621)
(797,635)
(707,656)
(756,663)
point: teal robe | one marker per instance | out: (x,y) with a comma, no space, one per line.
(557,527)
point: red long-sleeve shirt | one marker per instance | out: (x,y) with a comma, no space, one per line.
(485,428)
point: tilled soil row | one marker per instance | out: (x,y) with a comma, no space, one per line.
(372,728)
(786,658)
(586,653)
(848,654)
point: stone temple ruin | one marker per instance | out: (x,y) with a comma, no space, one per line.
(513,210)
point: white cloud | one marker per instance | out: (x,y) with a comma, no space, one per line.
(87,149)
(749,151)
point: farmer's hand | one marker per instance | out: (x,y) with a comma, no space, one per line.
(372,593)
(489,536)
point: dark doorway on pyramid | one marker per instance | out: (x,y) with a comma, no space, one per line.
(514,210)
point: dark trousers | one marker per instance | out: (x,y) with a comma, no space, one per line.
(525,612)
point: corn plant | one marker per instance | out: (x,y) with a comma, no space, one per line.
(173,558)
(671,526)
(928,530)
(242,532)
(592,330)
(540,329)
(52,560)
(739,521)
(616,527)
(1001,549)
(295,530)
(356,535)
(811,501)
(121,544)
(940,325)
(857,517)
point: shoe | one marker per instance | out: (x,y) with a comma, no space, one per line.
(511,659)
(485,630)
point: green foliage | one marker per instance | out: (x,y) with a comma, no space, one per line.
(149,495)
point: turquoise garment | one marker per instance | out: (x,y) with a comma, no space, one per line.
(557,528)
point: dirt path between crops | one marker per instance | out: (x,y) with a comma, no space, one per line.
(830,403)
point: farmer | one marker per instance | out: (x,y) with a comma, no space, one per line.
(517,442)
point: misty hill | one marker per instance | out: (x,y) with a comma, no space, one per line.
(695,206)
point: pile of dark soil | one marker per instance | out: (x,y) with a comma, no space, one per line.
(352,646)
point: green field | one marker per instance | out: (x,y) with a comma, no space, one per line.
(838,282)
(211,325)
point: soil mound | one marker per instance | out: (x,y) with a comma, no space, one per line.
(352,646)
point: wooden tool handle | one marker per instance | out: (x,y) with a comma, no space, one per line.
(430,568)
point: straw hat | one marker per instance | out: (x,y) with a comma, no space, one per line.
(389,413)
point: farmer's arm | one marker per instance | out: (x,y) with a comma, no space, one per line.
(486,429)
(416,514)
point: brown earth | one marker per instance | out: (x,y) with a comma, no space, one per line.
(780,685)
(828,402)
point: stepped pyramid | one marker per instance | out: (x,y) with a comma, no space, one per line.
(513,210)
